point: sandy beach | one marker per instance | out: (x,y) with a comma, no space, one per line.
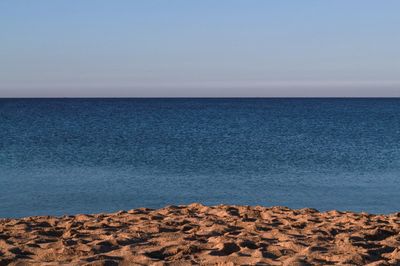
(197,234)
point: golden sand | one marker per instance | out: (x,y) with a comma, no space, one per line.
(197,234)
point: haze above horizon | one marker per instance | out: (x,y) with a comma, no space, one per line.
(203,48)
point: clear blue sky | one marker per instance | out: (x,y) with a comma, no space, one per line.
(199,48)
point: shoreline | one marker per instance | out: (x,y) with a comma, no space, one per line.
(198,234)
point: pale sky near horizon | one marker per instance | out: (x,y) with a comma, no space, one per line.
(227,48)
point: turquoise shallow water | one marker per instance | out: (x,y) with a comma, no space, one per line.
(65,156)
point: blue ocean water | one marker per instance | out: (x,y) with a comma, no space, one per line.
(66,156)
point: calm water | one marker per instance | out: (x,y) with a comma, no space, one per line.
(70,156)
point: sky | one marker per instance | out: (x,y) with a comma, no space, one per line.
(193,48)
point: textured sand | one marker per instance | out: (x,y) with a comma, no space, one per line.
(196,234)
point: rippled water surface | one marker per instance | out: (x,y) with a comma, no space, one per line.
(61,156)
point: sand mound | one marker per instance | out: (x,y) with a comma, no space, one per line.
(196,234)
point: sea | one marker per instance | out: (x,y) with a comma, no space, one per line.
(69,156)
